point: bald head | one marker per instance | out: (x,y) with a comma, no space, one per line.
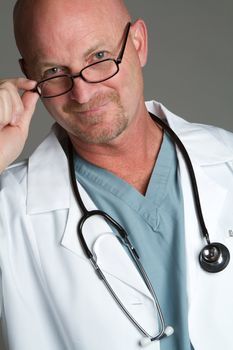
(60,38)
(32,16)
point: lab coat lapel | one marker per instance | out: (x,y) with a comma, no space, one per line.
(48,177)
(111,256)
(212,210)
(194,136)
(208,292)
(49,189)
(209,295)
(212,194)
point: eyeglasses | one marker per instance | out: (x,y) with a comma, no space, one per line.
(94,73)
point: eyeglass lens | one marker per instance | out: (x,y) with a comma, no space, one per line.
(94,73)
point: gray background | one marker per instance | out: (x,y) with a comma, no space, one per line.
(190,59)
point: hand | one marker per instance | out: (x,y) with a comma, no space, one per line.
(15,116)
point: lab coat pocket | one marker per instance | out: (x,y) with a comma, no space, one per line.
(125,280)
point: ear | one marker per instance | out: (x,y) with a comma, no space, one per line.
(139,38)
(23,66)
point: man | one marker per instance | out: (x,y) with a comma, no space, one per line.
(87,58)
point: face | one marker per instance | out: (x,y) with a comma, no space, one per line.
(91,113)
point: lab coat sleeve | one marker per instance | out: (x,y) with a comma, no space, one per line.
(1,236)
(3,220)
(9,179)
(0,294)
(1,244)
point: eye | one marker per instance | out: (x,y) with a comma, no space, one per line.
(53,72)
(101,55)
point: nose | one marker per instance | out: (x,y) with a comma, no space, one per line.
(82,91)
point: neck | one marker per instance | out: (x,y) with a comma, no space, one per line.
(131,156)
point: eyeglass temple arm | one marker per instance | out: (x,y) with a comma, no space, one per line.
(119,58)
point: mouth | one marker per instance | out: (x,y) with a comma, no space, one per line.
(92,110)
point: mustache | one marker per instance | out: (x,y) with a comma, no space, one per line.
(95,102)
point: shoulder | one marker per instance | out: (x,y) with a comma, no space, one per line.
(224,136)
(14,175)
(204,133)
(17,173)
(205,143)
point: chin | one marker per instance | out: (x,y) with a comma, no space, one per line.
(98,134)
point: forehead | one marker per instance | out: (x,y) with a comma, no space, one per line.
(63,31)
(72,36)
(72,48)
(63,28)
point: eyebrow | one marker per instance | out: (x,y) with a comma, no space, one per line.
(38,63)
(94,48)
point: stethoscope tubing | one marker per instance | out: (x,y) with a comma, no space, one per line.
(123,308)
(125,241)
(214,257)
(184,153)
(192,176)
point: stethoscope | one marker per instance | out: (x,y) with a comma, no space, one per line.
(214,257)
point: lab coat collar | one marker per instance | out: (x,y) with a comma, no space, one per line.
(49,185)
(194,136)
(48,175)
(49,189)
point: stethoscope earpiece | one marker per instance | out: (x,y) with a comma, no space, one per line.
(214,257)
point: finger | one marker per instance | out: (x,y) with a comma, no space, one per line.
(19,83)
(15,105)
(6,107)
(29,100)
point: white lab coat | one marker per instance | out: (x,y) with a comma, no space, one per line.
(50,296)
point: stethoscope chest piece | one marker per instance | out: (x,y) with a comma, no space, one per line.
(214,257)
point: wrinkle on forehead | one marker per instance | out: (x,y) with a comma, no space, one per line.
(45,16)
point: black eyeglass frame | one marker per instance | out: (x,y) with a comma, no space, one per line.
(117,61)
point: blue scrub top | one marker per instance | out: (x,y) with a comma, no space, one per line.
(155,225)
